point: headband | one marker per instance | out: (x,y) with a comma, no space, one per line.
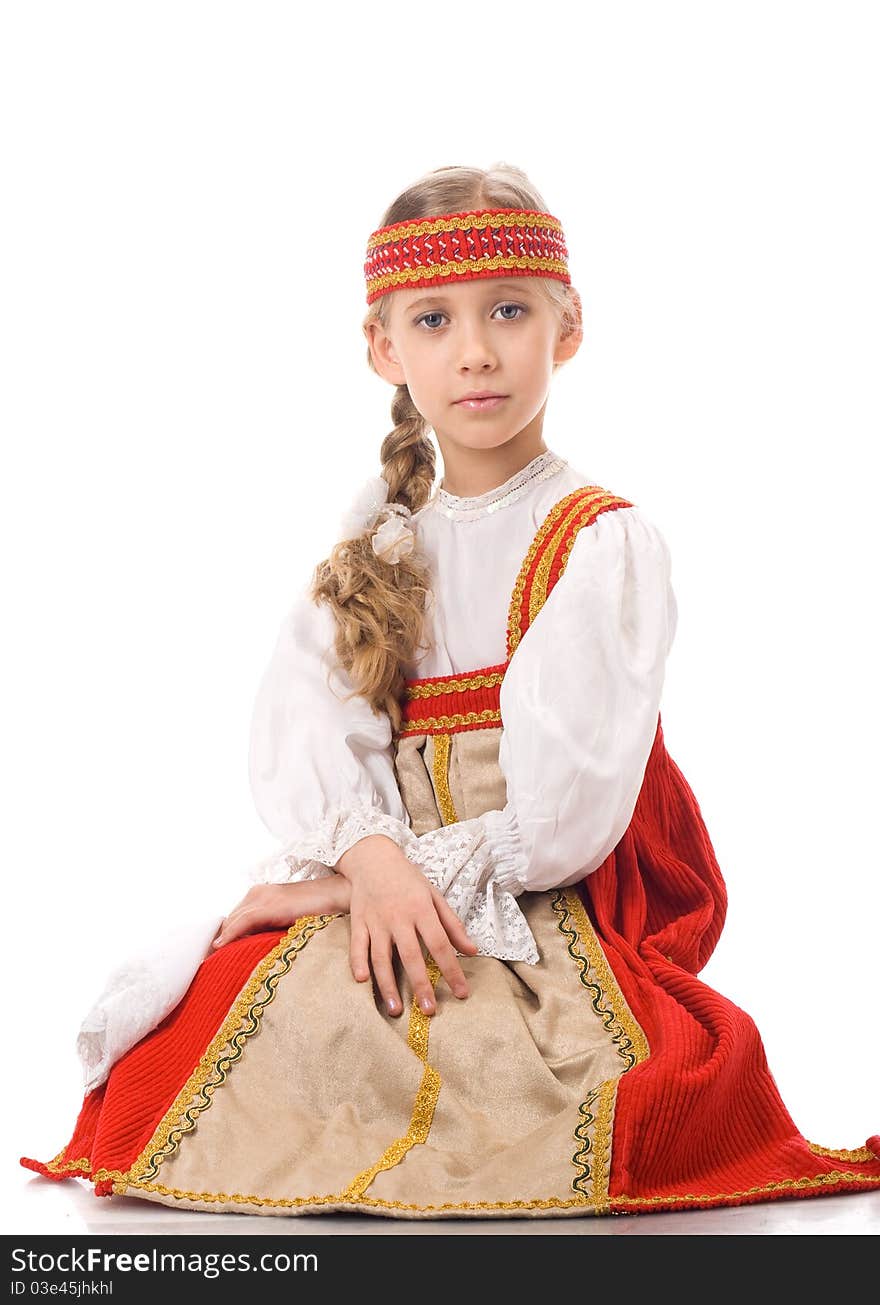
(451,247)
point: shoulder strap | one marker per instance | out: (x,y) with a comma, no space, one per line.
(548,554)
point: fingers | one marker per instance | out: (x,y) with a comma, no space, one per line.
(235,925)
(453,925)
(380,947)
(413,961)
(359,950)
(447,961)
(380,955)
(434,923)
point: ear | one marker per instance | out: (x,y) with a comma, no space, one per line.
(569,343)
(383,353)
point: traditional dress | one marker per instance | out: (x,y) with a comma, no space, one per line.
(589,1070)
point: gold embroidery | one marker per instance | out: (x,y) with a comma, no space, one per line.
(587,507)
(442,744)
(632,1045)
(514,631)
(602,1145)
(226,1048)
(295,1202)
(59,1166)
(582,1133)
(551,1203)
(860,1153)
(582,501)
(459,685)
(490,716)
(610,498)
(409,230)
(413,275)
(630,1042)
(426,1099)
(781,1185)
(116,1175)
(588,498)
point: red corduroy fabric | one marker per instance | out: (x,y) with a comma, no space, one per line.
(699,1122)
(118,1118)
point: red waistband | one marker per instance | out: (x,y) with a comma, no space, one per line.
(446,704)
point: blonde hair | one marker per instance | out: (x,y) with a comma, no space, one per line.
(380,606)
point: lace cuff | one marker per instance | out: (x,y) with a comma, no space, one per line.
(459,860)
(314,855)
(505,846)
(478,865)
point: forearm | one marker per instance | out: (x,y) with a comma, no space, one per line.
(329,895)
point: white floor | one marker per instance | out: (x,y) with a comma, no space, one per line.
(42,1206)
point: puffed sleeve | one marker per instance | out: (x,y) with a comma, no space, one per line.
(320,767)
(579,703)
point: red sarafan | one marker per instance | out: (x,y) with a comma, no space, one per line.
(602,1077)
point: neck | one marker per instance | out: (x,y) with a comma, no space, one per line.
(467,472)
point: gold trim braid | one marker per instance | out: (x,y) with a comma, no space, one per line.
(596,1112)
(588,501)
(490,716)
(459,221)
(442,746)
(425,1102)
(498,262)
(859,1154)
(460,684)
(607,1001)
(59,1166)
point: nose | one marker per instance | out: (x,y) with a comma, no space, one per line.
(475,349)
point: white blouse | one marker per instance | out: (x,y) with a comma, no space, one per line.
(579,706)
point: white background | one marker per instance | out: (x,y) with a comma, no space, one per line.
(187,409)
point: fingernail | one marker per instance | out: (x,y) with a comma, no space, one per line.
(392,1005)
(427,1005)
(461,992)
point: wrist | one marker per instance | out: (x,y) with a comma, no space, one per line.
(362,853)
(341,892)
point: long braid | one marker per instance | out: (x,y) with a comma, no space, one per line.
(380,606)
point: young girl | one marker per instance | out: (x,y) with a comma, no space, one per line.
(466,984)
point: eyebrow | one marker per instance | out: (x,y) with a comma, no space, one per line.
(442,298)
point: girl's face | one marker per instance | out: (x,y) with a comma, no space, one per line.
(490,335)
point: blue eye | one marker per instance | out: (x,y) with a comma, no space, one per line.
(519,309)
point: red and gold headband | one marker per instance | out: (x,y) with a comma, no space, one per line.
(451,247)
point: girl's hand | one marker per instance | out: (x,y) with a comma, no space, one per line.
(393,904)
(268,906)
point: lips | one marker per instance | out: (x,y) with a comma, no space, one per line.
(480,402)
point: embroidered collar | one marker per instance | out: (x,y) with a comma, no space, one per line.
(471,507)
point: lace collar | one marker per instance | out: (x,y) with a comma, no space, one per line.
(459,507)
